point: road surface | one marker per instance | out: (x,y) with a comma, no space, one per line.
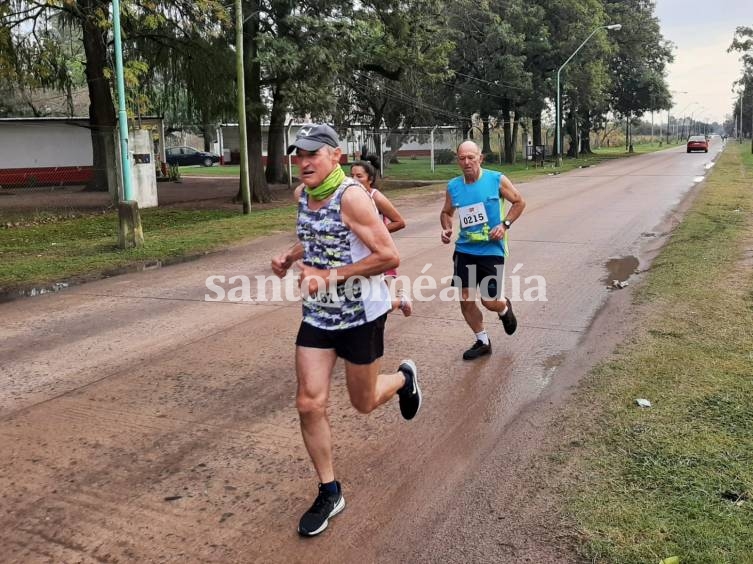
(139,422)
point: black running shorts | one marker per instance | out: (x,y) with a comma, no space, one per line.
(483,271)
(360,345)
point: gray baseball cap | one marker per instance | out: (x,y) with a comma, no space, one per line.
(313,137)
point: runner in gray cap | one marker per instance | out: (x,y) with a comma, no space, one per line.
(343,249)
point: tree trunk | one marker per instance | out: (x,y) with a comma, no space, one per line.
(275,172)
(254,107)
(514,144)
(572,133)
(507,131)
(627,133)
(585,141)
(395,141)
(206,130)
(536,127)
(486,146)
(69,99)
(101,108)
(630,136)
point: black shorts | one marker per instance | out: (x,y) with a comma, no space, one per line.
(360,345)
(485,271)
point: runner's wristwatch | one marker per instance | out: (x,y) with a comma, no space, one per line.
(507,223)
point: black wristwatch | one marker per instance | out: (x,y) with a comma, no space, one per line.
(507,223)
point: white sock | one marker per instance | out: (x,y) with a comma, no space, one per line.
(504,311)
(483,337)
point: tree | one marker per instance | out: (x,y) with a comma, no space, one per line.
(583,79)
(394,55)
(491,78)
(300,58)
(639,62)
(165,22)
(255,109)
(742,42)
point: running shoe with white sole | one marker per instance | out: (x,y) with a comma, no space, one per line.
(326,506)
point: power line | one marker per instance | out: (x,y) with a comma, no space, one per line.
(402,96)
(497,83)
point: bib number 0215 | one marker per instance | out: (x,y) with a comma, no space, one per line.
(474,214)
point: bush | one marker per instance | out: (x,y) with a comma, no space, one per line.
(444,156)
(491,158)
(174,173)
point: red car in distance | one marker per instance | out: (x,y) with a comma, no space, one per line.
(698,143)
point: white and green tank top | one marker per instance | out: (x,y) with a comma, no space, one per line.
(329,244)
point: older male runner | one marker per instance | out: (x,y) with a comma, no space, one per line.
(343,250)
(480,250)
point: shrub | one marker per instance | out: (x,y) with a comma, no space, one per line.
(491,158)
(444,156)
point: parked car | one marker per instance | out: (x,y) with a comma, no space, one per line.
(185,156)
(698,143)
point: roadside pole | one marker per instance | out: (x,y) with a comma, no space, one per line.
(241,78)
(130,231)
(290,157)
(740,132)
(432,147)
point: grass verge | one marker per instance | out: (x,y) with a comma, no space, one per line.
(42,252)
(419,168)
(677,479)
(84,246)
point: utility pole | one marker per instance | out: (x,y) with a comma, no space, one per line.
(240,74)
(130,230)
(740,133)
(122,114)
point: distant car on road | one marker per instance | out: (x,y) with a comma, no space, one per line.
(698,143)
(185,156)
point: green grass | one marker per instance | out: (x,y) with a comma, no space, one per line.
(47,249)
(654,483)
(82,246)
(229,170)
(420,167)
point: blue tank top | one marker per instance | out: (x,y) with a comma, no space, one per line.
(327,244)
(479,206)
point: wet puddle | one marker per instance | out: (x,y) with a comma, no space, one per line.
(620,268)
(553,361)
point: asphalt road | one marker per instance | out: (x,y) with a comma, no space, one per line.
(139,422)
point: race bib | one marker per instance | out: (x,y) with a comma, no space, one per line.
(334,298)
(475,214)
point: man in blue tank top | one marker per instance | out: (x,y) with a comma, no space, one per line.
(478,195)
(343,248)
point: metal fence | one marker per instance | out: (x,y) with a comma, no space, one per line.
(417,142)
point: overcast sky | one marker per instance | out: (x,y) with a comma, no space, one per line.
(702,31)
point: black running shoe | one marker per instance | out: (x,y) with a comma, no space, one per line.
(326,505)
(508,319)
(478,349)
(410,393)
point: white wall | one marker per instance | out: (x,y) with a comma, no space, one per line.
(44,144)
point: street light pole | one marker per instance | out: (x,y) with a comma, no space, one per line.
(122,114)
(670,109)
(558,109)
(681,129)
